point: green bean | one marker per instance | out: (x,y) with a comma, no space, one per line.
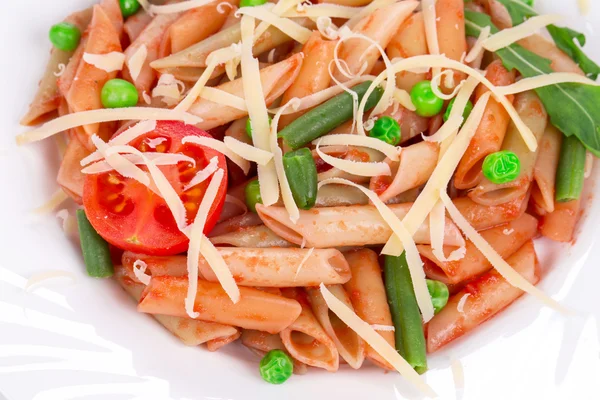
(96,253)
(408,324)
(571,170)
(439,294)
(253,196)
(301,173)
(327,116)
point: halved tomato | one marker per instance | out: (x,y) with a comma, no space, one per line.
(130,216)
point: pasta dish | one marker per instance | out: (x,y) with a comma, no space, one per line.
(344,181)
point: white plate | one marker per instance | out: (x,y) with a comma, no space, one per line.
(85,339)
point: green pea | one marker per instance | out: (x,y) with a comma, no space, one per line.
(253,195)
(276,367)
(466,111)
(439,294)
(65,36)
(129,7)
(249,126)
(252,3)
(118,93)
(426,102)
(386,129)
(501,167)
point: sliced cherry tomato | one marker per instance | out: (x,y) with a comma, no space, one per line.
(130,216)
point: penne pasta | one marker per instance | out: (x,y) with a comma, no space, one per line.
(313,76)
(559,225)
(306,340)
(136,24)
(560,62)
(345,226)
(380,26)
(533,113)
(484,217)
(350,346)
(273,267)
(409,41)
(450,23)
(113,12)
(254,236)
(505,239)
(416,164)
(216,344)
(369,298)
(70,177)
(346,153)
(481,300)
(544,171)
(255,310)
(275,81)
(262,342)
(490,133)
(339,195)
(191,332)
(348,3)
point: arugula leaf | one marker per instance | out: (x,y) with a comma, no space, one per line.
(572,107)
(563,37)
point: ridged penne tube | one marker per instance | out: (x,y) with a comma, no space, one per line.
(368,297)
(216,344)
(532,112)
(113,11)
(70,177)
(313,76)
(490,133)
(505,239)
(261,343)
(560,224)
(544,172)
(151,38)
(273,267)
(380,26)
(190,331)
(480,300)
(345,226)
(409,41)
(136,24)
(560,62)
(349,3)
(416,164)
(306,340)
(255,309)
(193,26)
(275,81)
(340,195)
(348,153)
(484,217)
(450,23)
(254,236)
(84,93)
(350,346)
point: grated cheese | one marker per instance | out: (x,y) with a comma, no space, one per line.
(367,10)
(376,341)
(435,84)
(250,153)
(61,70)
(146,97)
(508,232)
(415,264)
(460,307)
(304,260)
(109,62)
(458,374)
(136,62)
(589,164)
(176,7)
(323,10)
(55,200)
(158,158)
(71,121)
(221,148)
(69,222)
(287,26)
(402,97)
(507,272)
(430,21)
(392,152)
(357,168)
(203,174)
(437,227)
(169,89)
(439,178)
(224,98)
(478,46)
(139,270)
(120,164)
(383,328)
(536,82)
(508,36)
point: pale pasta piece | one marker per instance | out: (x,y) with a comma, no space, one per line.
(560,224)
(269,267)
(368,297)
(350,346)
(484,217)
(216,344)
(409,41)
(261,343)
(346,153)
(191,332)
(345,226)
(255,309)
(533,113)
(505,239)
(544,172)
(481,300)
(255,236)
(306,340)
(70,177)
(340,195)
(348,3)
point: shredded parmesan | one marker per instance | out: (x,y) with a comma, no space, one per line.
(61,70)
(69,222)
(56,200)
(101,167)
(139,270)
(437,227)
(376,341)
(250,153)
(223,98)
(221,147)
(460,307)
(383,328)
(355,167)
(458,374)
(146,97)
(366,11)
(392,152)
(508,232)
(536,82)
(203,174)
(71,121)
(153,143)
(431,36)
(415,264)
(110,62)
(304,260)
(169,89)
(120,164)
(45,276)
(589,164)
(507,272)
(176,7)
(478,46)
(287,26)
(323,10)
(508,36)
(402,97)
(435,85)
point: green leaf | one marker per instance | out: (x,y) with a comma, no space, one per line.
(572,107)
(563,37)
